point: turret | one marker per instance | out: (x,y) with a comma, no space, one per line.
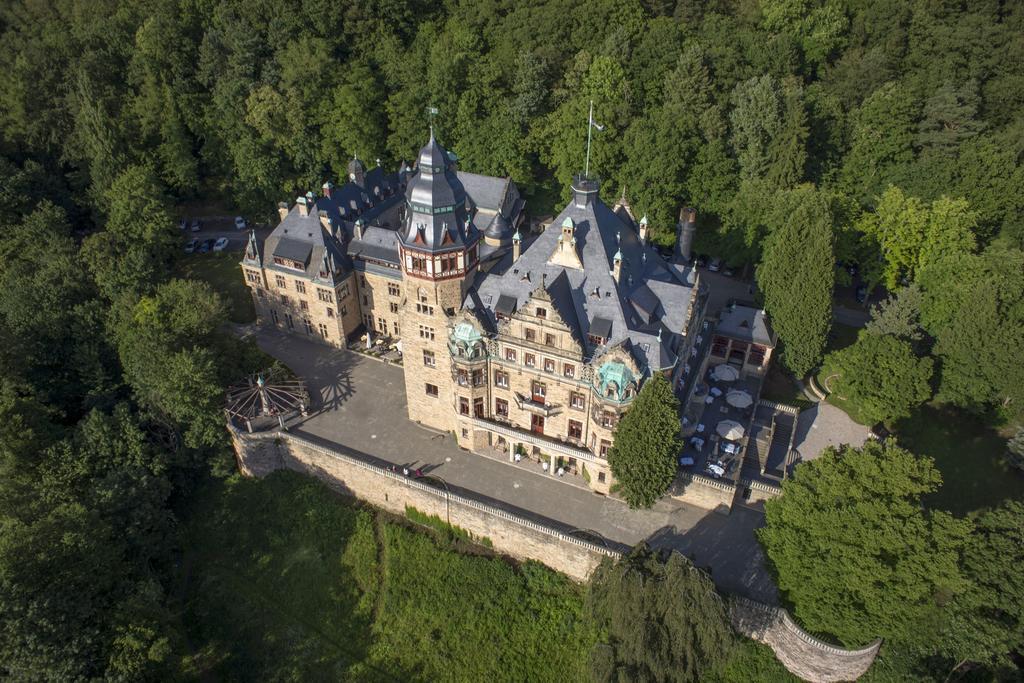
(684,236)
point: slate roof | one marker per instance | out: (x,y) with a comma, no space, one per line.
(437,218)
(586,297)
(746,324)
(306,240)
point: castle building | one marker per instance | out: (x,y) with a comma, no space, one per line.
(527,345)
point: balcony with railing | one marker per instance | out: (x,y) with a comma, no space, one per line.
(536,404)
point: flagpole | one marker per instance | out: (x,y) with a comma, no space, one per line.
(590,127)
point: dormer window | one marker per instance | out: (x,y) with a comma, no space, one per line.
(542,313)
(595,340)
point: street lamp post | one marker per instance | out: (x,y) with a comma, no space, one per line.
(447,497)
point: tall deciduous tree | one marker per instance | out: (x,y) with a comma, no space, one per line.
(646,444)
(856,553)
(660,620)
(912,234)
(880,376)
(797,274)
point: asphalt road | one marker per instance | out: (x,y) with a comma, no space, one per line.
(360,402)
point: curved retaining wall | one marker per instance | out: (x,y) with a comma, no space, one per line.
(260,454)
(804,655)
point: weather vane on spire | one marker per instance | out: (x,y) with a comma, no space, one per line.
(591,125)
(431,112)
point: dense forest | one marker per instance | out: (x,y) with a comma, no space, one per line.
(882,133)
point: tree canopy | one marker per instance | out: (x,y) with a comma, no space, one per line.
(659,617)
(643,457)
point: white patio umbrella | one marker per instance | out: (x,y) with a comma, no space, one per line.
(725,373)
(730,429)
(739,399)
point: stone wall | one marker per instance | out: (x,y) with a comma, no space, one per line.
(760,491)
(710,494)
(261,454)
(801,653)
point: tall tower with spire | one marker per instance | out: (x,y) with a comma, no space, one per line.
(439,250)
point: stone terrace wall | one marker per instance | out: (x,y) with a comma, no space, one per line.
(804,655)
(262,453)
(705,492)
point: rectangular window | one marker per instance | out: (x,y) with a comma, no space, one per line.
(603,450)
(577,400)
(510,355)
(330,312)
(462,377)
(343,291)
(279,279)
(393,289)
(607,419)
(549,340)
(382,325)
(303,305)
(542,313)
(344,311)
(549,365)
(393,306)
(252,276)
(285,300)
(432,390)
(530,334)
(426,332)
(530,360)
(569,370)
(538,390)
(501,407)
(478,378)
(501,379)
(395,325)
(463,405)
(478,407)
(300,287)
(288,321)
(595,340)
(575,429)
(308,324)
(428,359)
(325,295)
(424,309)
(323,330)
(600,477)
(273,316)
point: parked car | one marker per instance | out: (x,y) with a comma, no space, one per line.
(700,261)
(221,244)
(182,224)
(715,265)
(191,246)
(205,246)
(697,443)
(685,461)
(196,225)
(862,293)
(239,223)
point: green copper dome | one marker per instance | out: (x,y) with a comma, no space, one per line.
(614,380)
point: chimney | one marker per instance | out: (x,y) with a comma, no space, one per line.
(517,241)
(282,210)
(643,229)
(358,230)
(617,267)
(327,187)
(303,203)
(584,190)
(684,237)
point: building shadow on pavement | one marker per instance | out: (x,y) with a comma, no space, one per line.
(326,371)
(726,544)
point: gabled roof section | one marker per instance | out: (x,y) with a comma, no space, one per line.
(662,291)
(302,237)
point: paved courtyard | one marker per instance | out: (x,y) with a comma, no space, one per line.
(360,402)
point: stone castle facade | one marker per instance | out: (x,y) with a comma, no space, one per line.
(528,345)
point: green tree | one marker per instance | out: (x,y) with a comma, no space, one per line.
(974,308)
(899,315)
(659,618)
(769,130)
(1015,449)
(880,377)
(135,250)
(987,622)
(797,274)
(912,234)
(643,457)
(856,553)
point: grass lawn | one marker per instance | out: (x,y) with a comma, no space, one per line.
(283,579)
(967,452)
(222,271)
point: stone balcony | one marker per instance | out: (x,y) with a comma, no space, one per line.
(534,406)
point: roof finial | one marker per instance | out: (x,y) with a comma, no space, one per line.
(431,112)
(591,124)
